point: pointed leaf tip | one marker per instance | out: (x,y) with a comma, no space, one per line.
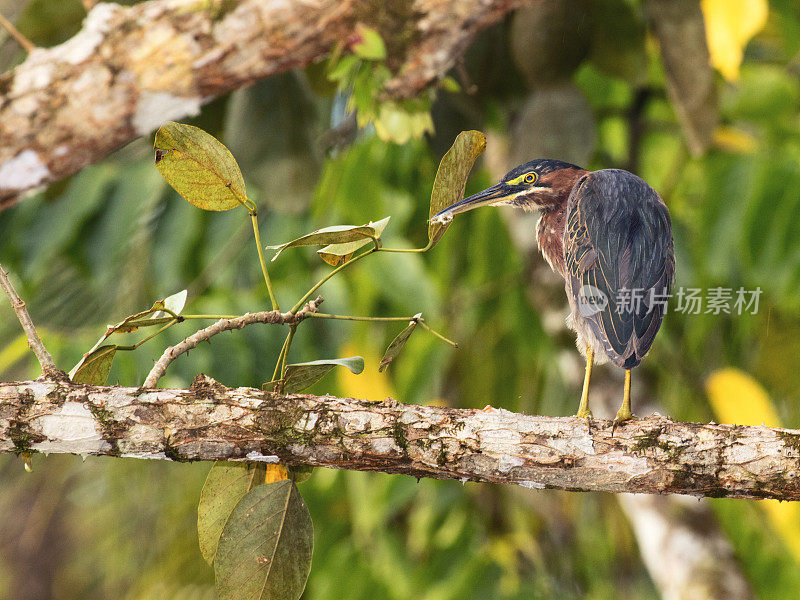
(398,343)
(300,376)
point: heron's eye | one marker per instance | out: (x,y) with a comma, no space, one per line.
(530,178)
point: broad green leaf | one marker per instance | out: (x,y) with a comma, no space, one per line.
(333,254)
(451,178)
(398,343)
(199,167)
(370,45)
(336,234)
(226,484)
(94,367)
(265,549)
(300,376)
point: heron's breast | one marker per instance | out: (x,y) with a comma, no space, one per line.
(550,237)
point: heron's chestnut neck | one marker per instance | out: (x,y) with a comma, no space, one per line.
(551,228)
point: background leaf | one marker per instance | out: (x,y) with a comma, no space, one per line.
(199,167)
(226,484)
(265,549)
(729,26)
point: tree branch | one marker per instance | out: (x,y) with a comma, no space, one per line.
(273,317)
(132,68)
(49,368)
(212,422)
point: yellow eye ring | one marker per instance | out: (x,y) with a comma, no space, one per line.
(530,178)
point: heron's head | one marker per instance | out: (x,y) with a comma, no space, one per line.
(540,184)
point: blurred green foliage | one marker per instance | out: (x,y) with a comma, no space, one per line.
(114,238)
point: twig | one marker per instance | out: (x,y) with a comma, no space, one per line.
(418,320)
(28,45)
(272,317)
(49,368)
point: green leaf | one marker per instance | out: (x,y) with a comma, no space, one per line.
(336,234)
(271,386)
(370,45)
(199,167)
(175,303)
(333,254)
(265,548)
(226,484)
(94,367)
(397,343)
(343,70)
(451,178)
(300,376)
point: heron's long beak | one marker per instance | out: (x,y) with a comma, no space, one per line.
(488,197)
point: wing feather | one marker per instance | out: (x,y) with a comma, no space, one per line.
(619,241)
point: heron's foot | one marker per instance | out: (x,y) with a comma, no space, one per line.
(623,414)
(585,414)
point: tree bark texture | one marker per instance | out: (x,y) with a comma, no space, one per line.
(212,422)
(131,68)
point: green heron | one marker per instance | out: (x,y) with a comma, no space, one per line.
(608,234)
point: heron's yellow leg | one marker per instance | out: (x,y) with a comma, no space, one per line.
(583,408)
(624,412)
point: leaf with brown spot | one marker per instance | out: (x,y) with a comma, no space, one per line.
(265,549)
(199,167)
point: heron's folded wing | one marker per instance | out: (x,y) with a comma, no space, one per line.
(618,247)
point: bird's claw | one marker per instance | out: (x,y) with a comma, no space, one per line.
(622,416)
(584,414)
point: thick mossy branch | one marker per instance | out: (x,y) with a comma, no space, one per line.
(131,68)
(212,422)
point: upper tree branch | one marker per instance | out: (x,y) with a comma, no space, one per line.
(210,421)
(132,68)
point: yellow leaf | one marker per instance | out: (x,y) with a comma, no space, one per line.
(369,385)
(13,352)
(738,398)
(736,140)
(276,472)
(730,24)
(199,167)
